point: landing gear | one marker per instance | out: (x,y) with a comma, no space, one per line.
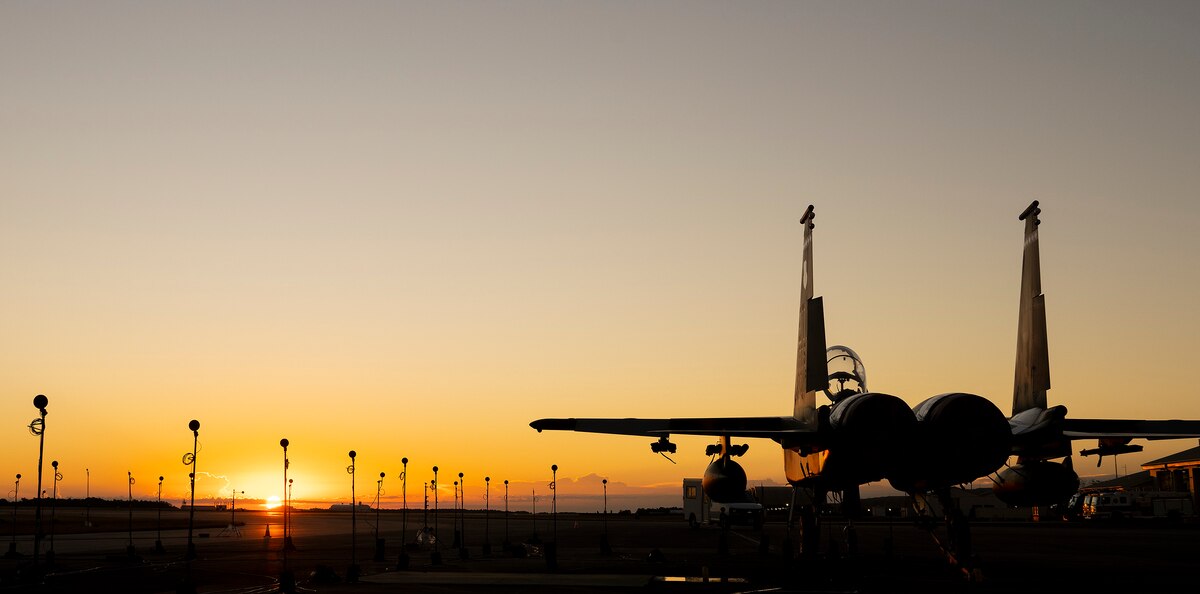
(851,508)
(810,532)
(957,544)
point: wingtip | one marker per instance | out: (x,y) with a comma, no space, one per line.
(553,424)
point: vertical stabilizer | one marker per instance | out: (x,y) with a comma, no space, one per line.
(811,366)
(1032,377)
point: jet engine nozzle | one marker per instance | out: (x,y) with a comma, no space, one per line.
(872,431)
(960,437)
(725,481)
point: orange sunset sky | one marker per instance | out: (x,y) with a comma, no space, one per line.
(409,229)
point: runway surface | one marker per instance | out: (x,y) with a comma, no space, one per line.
(650,553)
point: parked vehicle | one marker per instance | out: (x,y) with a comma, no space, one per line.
(749,514)
(697,507)
(1117,505)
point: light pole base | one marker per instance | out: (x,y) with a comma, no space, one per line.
(287,582)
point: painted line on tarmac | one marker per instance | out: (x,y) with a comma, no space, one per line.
(508,579)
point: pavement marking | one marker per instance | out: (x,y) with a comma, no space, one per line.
(509,579)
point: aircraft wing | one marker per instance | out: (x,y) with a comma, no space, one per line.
(1131,428)
(781,429)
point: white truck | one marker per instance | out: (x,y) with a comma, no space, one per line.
(697,508)
(1116,505)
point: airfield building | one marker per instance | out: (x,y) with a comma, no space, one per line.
(1178,472)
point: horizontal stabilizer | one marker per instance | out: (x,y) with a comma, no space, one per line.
(1132,428)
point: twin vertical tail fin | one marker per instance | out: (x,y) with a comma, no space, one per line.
(812,372)
(1032,377)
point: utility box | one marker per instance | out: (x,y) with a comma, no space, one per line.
(697,508)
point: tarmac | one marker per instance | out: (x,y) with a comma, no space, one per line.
(568,554)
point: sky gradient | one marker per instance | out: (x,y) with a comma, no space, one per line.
(409,229)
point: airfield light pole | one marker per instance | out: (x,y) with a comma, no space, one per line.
(291,497)
(552,546)
(12,546)
(194,425)
(158,545)
(554,502)
(487,514)
(605,549)
(404,501)
(283,443)
(287,580)
(379,544)
(87,499)
(233,513)
(53,506)
(435,558)
(462,515)
(352,572)
(129,548)
(506,513)
(378,502)
(605,484)
(457,535)
(38,428)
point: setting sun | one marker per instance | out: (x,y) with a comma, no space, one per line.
(272,502)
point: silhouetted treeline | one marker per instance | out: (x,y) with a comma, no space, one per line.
(90,502)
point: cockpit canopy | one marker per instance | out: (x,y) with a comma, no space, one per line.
(847,376)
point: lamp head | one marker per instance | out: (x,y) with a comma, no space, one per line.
(194,425)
